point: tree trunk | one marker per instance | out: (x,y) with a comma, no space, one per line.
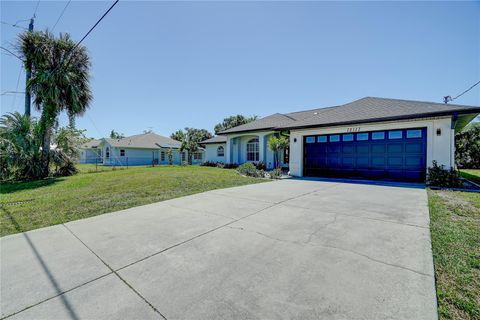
(71,120)
(47,135)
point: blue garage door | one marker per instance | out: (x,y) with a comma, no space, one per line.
(385,155)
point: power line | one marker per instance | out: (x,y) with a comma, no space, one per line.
(11,92)
(91,29)
(36,8)
(61,14)
(447,99)
(16,88)
(86,35)
(11,53)
(13,25)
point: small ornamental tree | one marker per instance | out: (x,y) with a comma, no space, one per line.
(276,144)
(170,156)
(190,139)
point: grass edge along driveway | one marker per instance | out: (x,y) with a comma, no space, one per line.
(455,232)
(30,205)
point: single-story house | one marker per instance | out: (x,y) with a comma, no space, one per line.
(90,152)
(215,149)
(371,138)
(142,149)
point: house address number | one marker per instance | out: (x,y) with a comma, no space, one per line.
(353,129)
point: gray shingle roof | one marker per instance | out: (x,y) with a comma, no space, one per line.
(269,122)
(369,109)
(216,139)
(146,140)
(91,144)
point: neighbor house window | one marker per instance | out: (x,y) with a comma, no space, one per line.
(122,153)
(378,135)
(184,155)
(348,137)
(362,136)
(252,149)
(414,134)
(322,139)
(335,138)
(395,135)
(197,156)
(107,153)
(220,152)
(162,156)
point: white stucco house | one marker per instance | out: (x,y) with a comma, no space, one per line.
(141,149)
(215,149)
(371,138)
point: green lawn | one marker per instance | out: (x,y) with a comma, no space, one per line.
(30,205)
(455,231)
(471,174)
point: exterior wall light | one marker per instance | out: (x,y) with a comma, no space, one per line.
(439,132)
(294,139)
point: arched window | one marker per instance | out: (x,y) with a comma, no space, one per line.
(220,152)
(252,150)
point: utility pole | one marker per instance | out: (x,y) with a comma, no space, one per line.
(28,73)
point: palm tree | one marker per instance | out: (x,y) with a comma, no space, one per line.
(59,80)
(20,147)
(276,144)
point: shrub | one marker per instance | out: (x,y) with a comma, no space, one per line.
(66,169)
(230,165)
(467,147)
(439,176)
(275,173)
(184,163)
(260,165)
(249,169)
(210,164)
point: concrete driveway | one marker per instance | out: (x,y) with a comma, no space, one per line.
(290,249)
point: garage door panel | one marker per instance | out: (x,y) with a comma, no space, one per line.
(378,148)
(348,149)
(414,147)
(395,148)
(378,162)
(395,161)
(363,149)
(400,155)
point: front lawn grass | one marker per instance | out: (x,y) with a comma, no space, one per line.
(471,174)
(455,231)
(29,205)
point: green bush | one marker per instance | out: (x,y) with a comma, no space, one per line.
(209,164)
(250,170)
(467,147)
(276,173)
(261,165)
(439,176)
(227,165)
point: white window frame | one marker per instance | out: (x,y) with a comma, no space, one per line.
(162,155)
(122,151)
(197,156)
(253,150)
(220,151)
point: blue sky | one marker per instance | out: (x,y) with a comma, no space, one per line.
(168,65)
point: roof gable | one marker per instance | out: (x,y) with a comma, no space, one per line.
(147,140)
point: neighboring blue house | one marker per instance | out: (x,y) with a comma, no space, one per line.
(141,149)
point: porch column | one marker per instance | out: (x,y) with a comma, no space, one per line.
(262,151)
(229,150)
